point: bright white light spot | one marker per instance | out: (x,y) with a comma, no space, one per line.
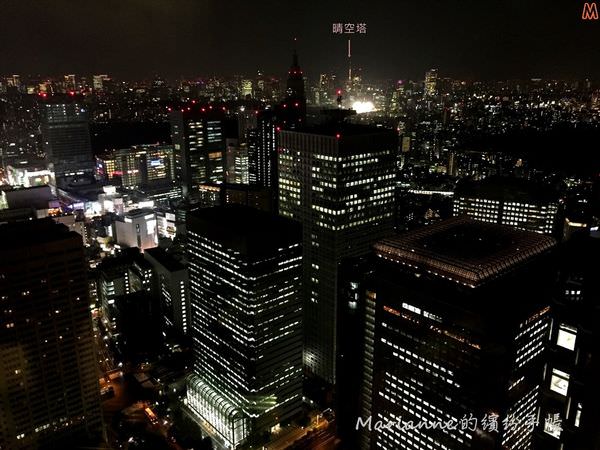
(363,107)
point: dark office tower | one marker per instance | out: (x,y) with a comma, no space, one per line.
(292,111)
(66,137)
(198,137)
(245,274)
(289,114)
(569,414)
(462,319)
(355,278)
(127,296)
(515,202)
(338,181)
(295,82)
(49,372)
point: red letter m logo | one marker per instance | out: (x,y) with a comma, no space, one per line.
(590,11)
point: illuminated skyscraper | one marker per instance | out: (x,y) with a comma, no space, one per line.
(430,85)
(98,82)
(245,276)
(246,88)
(461,314)
(49,370)
(236,163)
(198,137)
(516,202)
(66,137)
(338,181)
(262,151)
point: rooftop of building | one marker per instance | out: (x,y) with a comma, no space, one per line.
(463,250)
(245,230)
(29,162)
(340,129)
(33,232)
(29,190)
(137,213)
(507,189)
(164,258)
(113,266)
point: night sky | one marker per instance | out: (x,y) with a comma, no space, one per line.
(135,39)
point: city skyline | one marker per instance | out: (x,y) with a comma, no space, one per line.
(402,40)
(384,239)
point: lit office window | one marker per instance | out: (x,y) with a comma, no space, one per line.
(559,382)
(566,336)
(578,415)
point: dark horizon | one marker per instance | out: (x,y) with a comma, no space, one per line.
(464,40)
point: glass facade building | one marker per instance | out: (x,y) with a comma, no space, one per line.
(246,320)
(66,139)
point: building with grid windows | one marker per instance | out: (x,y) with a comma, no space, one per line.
(66,138)
(198,136)
(245,269)
(516,202)
(461,322)
(338,181)
(50,396)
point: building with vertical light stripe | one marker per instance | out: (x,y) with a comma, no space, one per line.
(338,181)
(462,320)
(172,287)
(245,269)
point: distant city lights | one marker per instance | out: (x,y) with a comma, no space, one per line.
(363,107)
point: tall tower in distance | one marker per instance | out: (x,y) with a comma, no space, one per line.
(292,112)
(295,81)
(49,374)
(430,85)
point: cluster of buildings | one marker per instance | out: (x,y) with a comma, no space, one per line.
(266,240)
